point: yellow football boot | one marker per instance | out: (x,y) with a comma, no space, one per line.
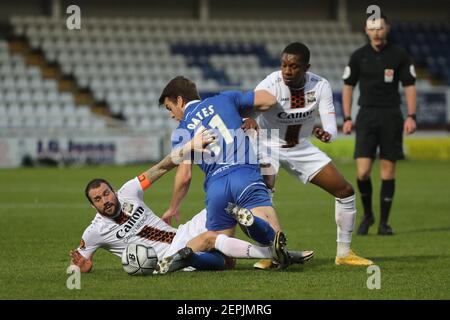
(353,260)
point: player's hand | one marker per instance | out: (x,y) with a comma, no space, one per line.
(409,126)
(77,259)
(250,124)
(197,144)
(347,127)
(169,214)
(322,135)
(203,138)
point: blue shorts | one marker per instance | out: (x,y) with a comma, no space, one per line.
(243,186)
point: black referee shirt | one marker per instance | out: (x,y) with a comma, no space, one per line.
(379,74)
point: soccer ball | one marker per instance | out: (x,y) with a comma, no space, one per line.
(138,259)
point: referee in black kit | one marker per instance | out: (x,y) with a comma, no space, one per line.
(379,66)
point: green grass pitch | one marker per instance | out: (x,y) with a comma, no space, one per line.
(44,212)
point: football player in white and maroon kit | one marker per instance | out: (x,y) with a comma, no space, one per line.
(301,96)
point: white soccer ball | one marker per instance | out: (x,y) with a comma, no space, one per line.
(138,259)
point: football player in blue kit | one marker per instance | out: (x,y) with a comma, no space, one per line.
(235,190)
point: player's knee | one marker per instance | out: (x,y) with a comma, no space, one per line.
(345,191)
(209,239)
(270,181)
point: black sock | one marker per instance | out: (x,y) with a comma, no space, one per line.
(365,190)
(386,197)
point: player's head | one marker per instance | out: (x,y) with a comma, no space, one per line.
(176,94)
(102,197)
(294,64)
(377,30)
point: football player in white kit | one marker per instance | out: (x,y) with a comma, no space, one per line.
(301,95)
(123,218)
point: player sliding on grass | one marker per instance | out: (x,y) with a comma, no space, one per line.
(123,218)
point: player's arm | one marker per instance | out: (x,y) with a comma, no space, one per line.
(82,256)
(180,189)
(327,115)
(85,264)
(264,100)
(177,156)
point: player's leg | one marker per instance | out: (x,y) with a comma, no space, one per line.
(364,168)
(309,164)
(254,206)
(185,251)
(330,180)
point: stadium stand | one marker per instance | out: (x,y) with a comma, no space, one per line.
(27,100)
(125,62)
(429,43)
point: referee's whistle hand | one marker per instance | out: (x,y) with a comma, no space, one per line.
(347,127)
(410,126)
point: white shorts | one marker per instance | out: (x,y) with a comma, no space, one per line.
(303,161)
(187,231)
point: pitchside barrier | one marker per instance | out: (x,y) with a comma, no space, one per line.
(420,146)
(120,147)
(62,148)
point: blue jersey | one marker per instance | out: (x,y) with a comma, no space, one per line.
(221,113)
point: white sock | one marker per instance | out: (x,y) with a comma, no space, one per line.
(345,214)
(236,248)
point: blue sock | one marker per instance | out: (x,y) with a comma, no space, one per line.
(260,231)
(213,260)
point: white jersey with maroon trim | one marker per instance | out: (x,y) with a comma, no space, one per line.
(137,224)
(296,110)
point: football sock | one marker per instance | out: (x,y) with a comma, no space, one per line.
(386,196)
(236,248)
(213,260)
(365,190)
(345,213)
(260,231)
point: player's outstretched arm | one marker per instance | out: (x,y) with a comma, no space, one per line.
(197,144)
(77,259)
(264,100)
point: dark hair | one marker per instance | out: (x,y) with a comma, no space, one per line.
(382,16)
(94,184)
(300,49)
(179,86)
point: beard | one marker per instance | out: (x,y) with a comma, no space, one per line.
(111,210)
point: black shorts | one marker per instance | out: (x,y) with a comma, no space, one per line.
(379,127)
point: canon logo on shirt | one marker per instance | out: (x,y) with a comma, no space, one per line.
(130,223)
(294,115)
